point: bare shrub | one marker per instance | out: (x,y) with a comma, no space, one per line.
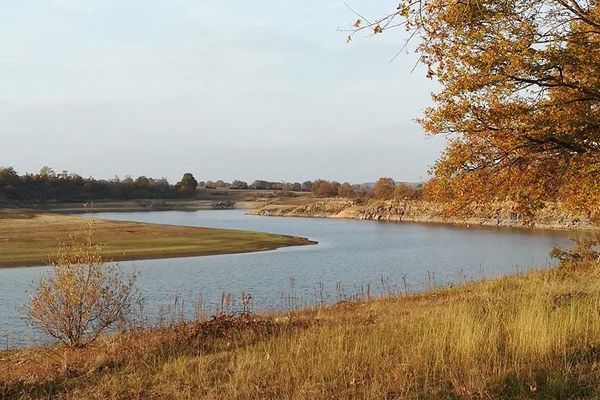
(81,296)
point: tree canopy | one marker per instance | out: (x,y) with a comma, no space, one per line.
(324,188)
(47,186)
(188,184)
(519,99)
(384,188)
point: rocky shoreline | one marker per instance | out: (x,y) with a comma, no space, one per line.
(503,215)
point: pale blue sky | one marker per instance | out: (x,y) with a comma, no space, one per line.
(258,89)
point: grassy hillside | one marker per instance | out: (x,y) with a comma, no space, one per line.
(29,239)
(535,335)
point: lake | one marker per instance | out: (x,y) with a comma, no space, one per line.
(350,256)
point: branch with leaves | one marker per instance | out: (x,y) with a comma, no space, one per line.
(519,99)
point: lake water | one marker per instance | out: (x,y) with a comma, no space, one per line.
(350,255)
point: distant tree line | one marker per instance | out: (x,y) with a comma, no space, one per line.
(50,186)
(383,189)
(258,185)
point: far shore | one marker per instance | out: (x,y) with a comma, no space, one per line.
(502,215)
(135,206)
(206,199)
(302,204)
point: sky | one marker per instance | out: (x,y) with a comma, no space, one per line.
(259,89)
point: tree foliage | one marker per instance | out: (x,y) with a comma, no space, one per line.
(384,188)
(347,191)
(404,191)
(8,176)
(188,184)
(48,186)
(238,185)
(324,188)
(519,99)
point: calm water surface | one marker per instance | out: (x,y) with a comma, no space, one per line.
(349,255)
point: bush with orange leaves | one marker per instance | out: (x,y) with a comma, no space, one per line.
(81,296)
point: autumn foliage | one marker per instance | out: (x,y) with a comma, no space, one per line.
(384,188)
(323,188)
(519,99)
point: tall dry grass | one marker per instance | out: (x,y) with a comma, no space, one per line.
(535,335)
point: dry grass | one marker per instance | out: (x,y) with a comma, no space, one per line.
(535,335)
(15,214)
(30,239)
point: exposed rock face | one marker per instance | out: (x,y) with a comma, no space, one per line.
(319,209)
(551,217)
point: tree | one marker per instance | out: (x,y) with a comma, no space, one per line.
(306,186)
(323,188)
(142,182)
(81,296)
(128,181)
(404,191)
(8,176)
(239,185)
(188,184)
(260,185)
(384,188)
(46,173)
(209,185)
(520,99)
(346,191)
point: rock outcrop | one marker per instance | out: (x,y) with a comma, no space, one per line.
(505,214)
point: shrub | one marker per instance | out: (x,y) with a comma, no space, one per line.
(583,253)
(81,296)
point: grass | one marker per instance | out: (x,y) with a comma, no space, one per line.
(534,335)
(30,239)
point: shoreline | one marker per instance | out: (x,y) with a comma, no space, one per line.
(128,206)
(422,212)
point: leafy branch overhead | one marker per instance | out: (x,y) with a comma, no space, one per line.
(519,99)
